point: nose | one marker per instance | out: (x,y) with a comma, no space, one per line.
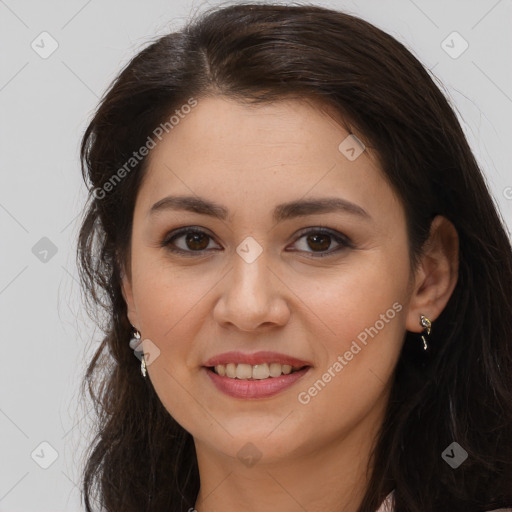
(253,297)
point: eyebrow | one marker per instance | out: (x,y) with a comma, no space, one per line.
(281,213)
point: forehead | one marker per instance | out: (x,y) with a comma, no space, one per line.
(260,151)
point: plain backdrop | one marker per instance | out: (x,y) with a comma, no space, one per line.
(57,58)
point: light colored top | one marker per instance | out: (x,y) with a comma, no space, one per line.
(388,505)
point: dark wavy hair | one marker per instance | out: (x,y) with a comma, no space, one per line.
(141,459)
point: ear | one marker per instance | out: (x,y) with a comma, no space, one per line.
(436,275)
(127,291)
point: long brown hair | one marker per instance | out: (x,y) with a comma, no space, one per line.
(141,459)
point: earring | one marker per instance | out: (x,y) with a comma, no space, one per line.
(427,325)
(143,370)
(136,346)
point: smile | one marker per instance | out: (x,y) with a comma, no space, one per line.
(254,388)
(254,372)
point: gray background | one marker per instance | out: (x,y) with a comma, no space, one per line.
(45,104)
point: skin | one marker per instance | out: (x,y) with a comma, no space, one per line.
(250,159)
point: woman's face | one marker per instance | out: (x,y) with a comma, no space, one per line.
(272,270)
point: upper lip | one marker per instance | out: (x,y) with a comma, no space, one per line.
(254,359)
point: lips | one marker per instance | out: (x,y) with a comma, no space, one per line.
(255,359)
(254,389)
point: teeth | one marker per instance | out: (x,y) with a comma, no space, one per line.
(231,370)
(243,371)
(258,372)
(286,369)
(275,369)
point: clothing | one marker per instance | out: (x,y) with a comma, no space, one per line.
(388,505)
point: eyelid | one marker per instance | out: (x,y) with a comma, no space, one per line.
(343,240)
(179,232)
(325,231)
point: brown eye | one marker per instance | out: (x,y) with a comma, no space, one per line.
(196,241)
(319,240)
(193,240)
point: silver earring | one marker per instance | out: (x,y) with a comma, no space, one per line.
(427,325)
(136,346)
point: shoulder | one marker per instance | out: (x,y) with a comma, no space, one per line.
(388,505)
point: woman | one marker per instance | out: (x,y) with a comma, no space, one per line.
(287,222)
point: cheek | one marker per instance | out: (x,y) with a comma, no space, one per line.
(174,305)
(345,300)
(171,305)
(352,311)
(169,302)
(357,327)
(357,361)
(335,305)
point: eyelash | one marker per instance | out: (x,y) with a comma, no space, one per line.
(343,240)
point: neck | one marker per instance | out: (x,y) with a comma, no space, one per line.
(328,476)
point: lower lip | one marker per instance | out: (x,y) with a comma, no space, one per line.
(240,388)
